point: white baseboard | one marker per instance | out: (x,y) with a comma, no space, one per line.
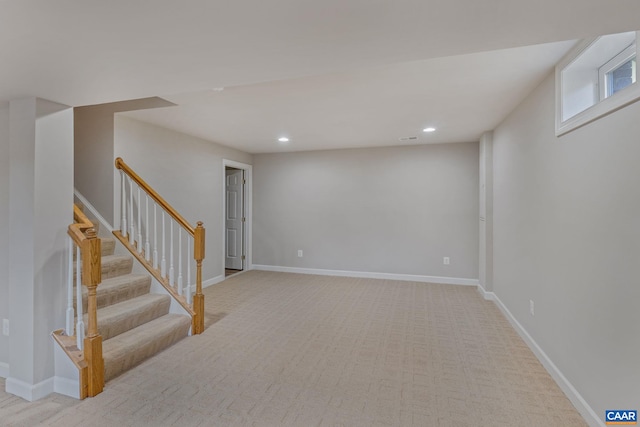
(4,370)
(212,281)
(30,392)
(489,296)
(207,283)
(67,387)
(569,390)
(370,275)
(103,222)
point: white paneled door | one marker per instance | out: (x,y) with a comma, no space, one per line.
(234,226)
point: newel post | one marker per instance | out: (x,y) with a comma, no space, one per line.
(198,298)
(91,278)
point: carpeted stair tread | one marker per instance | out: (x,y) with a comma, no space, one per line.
(116,265)
(112,266)
(130,348)
(124,316)
(118,289)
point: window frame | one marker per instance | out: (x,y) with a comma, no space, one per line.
(601,108)
(614,63)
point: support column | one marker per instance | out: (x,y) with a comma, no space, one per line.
(486,212)
(40,210)
(4,235)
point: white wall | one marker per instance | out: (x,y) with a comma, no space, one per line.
(93,156)
(93,150)
(396,210)
(4,231)
(567,236)
(186,171)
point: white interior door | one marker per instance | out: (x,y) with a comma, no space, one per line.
(234,219)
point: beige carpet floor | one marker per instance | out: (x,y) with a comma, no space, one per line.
(298,350)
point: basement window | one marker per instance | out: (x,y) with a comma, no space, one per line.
(618,73)
(597,77)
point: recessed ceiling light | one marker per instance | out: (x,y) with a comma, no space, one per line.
(429,129)
(283,139)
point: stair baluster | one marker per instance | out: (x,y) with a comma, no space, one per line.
(132,228)
(147,246)
(69,327)
(188,296)
(139,243)
(79,322)
(163,263)
(155,237)
(171,270)
(123,206)
(180,261)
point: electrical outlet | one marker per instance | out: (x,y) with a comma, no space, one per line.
(446,260)
(531,308)
(299,253)
(5,327)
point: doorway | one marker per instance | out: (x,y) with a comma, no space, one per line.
(236,217)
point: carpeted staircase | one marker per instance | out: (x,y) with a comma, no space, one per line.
(134,323)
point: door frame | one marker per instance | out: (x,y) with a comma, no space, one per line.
(248,212)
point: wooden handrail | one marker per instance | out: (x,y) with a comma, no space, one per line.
(120,164)
(83,233)
(80,226)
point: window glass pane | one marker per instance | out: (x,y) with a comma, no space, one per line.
(621,77)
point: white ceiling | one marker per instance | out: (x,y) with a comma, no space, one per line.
(371,59)
(461,96)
